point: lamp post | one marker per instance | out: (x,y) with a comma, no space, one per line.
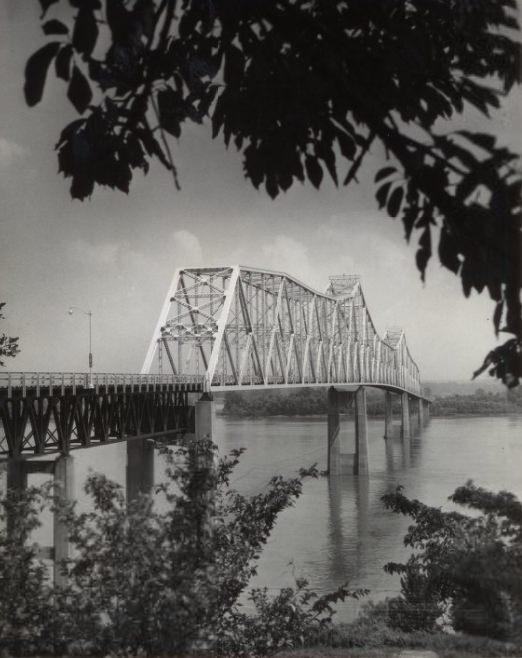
(77,308)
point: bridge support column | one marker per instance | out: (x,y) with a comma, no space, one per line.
(16,483)
(140,467)
(361,465)
(405,416)
(64,494)
(204,417)
(427,414)
(420,414)
(16,475)
(334,426)
(388,415)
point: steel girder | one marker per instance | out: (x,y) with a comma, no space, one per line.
(41,423)
(244,327)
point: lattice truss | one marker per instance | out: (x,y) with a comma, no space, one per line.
(240,326)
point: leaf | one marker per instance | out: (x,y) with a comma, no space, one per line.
(85,32)
(271,186)
(54,27)
(79,92)
(497,315)
(234,65)
(117,19)
(314,171)
(45,4)
(424,252)
(62,63)
(382,194)
(170,113)
(483,140)
(36,72)
(325,152)
(347,145)
(394,202)
(384,173)
(448,251)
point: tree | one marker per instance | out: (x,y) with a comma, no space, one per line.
(8,344)
(156,577)
(473,564)
(302,89)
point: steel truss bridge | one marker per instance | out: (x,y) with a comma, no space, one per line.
(220,329)
(241,327)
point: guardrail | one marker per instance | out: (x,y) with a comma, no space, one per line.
(62,380)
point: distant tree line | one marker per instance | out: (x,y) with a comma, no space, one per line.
(312,401)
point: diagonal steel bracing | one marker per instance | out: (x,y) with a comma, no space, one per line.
(240,327)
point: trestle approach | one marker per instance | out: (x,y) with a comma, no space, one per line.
(39,421)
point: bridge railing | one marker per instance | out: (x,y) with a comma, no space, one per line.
(10,381)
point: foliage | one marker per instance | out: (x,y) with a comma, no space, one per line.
(8,345)
(159,577)
(292,618)
(303,89)
(471,563)
(25,596)
(371,634)
(310,401)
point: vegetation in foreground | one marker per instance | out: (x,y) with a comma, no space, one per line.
(165,578)
(155,579)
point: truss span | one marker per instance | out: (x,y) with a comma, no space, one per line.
(241,327)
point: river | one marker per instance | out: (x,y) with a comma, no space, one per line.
(338,530)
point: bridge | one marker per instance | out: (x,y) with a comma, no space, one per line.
(220,329)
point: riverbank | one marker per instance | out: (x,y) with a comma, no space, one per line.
(312,402)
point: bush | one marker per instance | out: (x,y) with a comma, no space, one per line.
(156,579)
(469,565)
(26,620)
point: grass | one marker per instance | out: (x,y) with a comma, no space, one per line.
(369,635)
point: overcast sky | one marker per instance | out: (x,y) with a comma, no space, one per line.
(115,254)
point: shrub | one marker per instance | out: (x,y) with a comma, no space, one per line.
(162,578)
(26,598)
(471,564)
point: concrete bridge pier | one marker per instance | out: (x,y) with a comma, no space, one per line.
(405,416)
(361,463)
(420,414)
(334,426)
(426,413)
(140,467)
(62,470)
(64,493)
(388,415)
(204,417)
(347,463)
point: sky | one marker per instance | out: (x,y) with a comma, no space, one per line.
(115,254)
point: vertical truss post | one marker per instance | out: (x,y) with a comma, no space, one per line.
(224,317)
(153,345)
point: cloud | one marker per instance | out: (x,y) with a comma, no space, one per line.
(186,250)
(10,151)
(285,254)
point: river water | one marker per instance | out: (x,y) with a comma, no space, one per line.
(338,531)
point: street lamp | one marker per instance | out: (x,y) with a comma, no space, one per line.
(77,308)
